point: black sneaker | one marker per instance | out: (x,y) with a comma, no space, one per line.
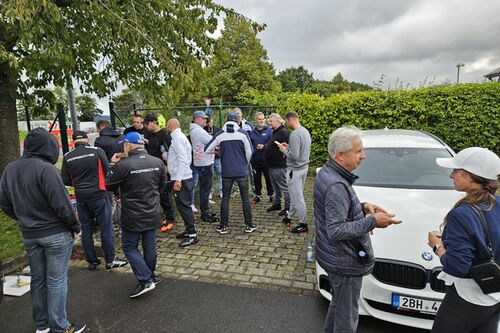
(283,212)
(116,263)
(142,288)
(182,235)
(255,200)
(157,278)
(251,228)
(93,266)
(299,228)
(286,221)
(221,229)
(76,328)
(210,218)
(271,198)
(274,208)
(190,240)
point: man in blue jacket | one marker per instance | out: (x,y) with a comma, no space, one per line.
(260,136)
(33,194)
(233,145)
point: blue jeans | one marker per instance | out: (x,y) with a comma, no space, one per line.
(218,172)
(196,177)
(100,210)
(143,265)
(49,260)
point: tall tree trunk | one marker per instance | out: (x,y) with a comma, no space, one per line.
(9,134)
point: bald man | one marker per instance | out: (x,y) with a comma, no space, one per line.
(179,161)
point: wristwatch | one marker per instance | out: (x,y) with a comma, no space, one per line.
(436,247)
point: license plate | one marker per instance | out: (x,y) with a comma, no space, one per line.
(412,304)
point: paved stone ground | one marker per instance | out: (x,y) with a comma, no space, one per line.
(269,258)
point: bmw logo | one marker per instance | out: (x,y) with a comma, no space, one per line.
(427,256)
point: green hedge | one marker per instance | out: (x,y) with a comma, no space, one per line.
(463,116)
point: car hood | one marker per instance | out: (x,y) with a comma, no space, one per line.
(420,212)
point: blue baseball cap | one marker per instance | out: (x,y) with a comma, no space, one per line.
(199,114)
(133,137)
(232,116)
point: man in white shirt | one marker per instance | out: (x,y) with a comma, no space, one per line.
(179,161)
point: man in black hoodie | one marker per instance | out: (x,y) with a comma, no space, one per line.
(109,139)
(32,192)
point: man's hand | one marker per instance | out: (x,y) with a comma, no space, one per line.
(177,185)
(115,158)
(260,146)
(77,234)
(369,208)
(384,219)
(217,151)
(283,147)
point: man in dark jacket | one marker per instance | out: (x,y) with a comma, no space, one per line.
(109,139)
(276,161)
(137,126)
(343,245)
(260,136)
(85,169)
(140,178)
(32,192)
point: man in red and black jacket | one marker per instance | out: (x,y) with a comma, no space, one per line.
(85,169)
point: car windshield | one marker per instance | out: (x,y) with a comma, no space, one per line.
(404,168)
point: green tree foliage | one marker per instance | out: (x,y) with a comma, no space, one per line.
(124,103)
(99,43)
(462,115)
(239,63)
(295,79)
(86,108)
(337,85)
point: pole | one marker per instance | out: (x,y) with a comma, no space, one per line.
(135,109)
(63,128)
(27,112)
(112,114)
(220,115)
(458,71)
(72,109)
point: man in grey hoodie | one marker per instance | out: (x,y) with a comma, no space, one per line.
(32,192)
(297,153)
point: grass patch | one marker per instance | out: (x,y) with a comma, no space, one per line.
(22,135)
(11,240)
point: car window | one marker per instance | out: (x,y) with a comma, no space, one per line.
(404,168)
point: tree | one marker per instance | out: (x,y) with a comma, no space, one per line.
(125,101)
(86,108)
(98,43)
(295,79)
(239,62)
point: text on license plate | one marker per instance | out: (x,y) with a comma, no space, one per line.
(407,303)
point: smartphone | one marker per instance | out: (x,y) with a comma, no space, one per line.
(276,142)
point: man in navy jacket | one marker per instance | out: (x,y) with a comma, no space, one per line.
(260,137)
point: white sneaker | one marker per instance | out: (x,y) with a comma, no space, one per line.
(193,208)
(47,330)
(220,195)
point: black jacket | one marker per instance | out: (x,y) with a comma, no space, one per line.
(109,140)
(140,178)
(32,192)
(85,169)
(274,158)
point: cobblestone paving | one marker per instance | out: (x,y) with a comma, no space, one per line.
(269,258)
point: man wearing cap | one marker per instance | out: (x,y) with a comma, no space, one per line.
(233,145)
(85,169)
(202,163)
(179,165)
(158,144)
(140,178)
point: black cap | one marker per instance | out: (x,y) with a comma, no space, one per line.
(149,118)
(79,135)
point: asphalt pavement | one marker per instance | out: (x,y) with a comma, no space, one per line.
(101,299)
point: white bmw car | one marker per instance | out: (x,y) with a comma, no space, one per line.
(400,174)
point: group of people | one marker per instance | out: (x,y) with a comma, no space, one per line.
(344,250)
(150,164)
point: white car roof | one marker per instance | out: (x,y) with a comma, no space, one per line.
(398,138)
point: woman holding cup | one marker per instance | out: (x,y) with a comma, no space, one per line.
(465,308)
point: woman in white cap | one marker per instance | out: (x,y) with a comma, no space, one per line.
(465,307)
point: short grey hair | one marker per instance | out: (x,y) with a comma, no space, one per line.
(277,117)
(259,114)
(341,140)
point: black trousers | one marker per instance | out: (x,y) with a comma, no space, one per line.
(456,315)
(166,201)
(183,203)
(260,168)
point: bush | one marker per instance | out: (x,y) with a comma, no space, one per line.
(463,115)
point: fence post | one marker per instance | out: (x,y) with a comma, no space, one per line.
(135,109)
(220,115)
(112,114)
(63,128)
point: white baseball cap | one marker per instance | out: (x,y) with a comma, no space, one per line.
(478,161)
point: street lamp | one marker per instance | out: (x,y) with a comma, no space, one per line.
(458,71)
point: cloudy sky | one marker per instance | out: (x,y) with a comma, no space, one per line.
(363,39)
